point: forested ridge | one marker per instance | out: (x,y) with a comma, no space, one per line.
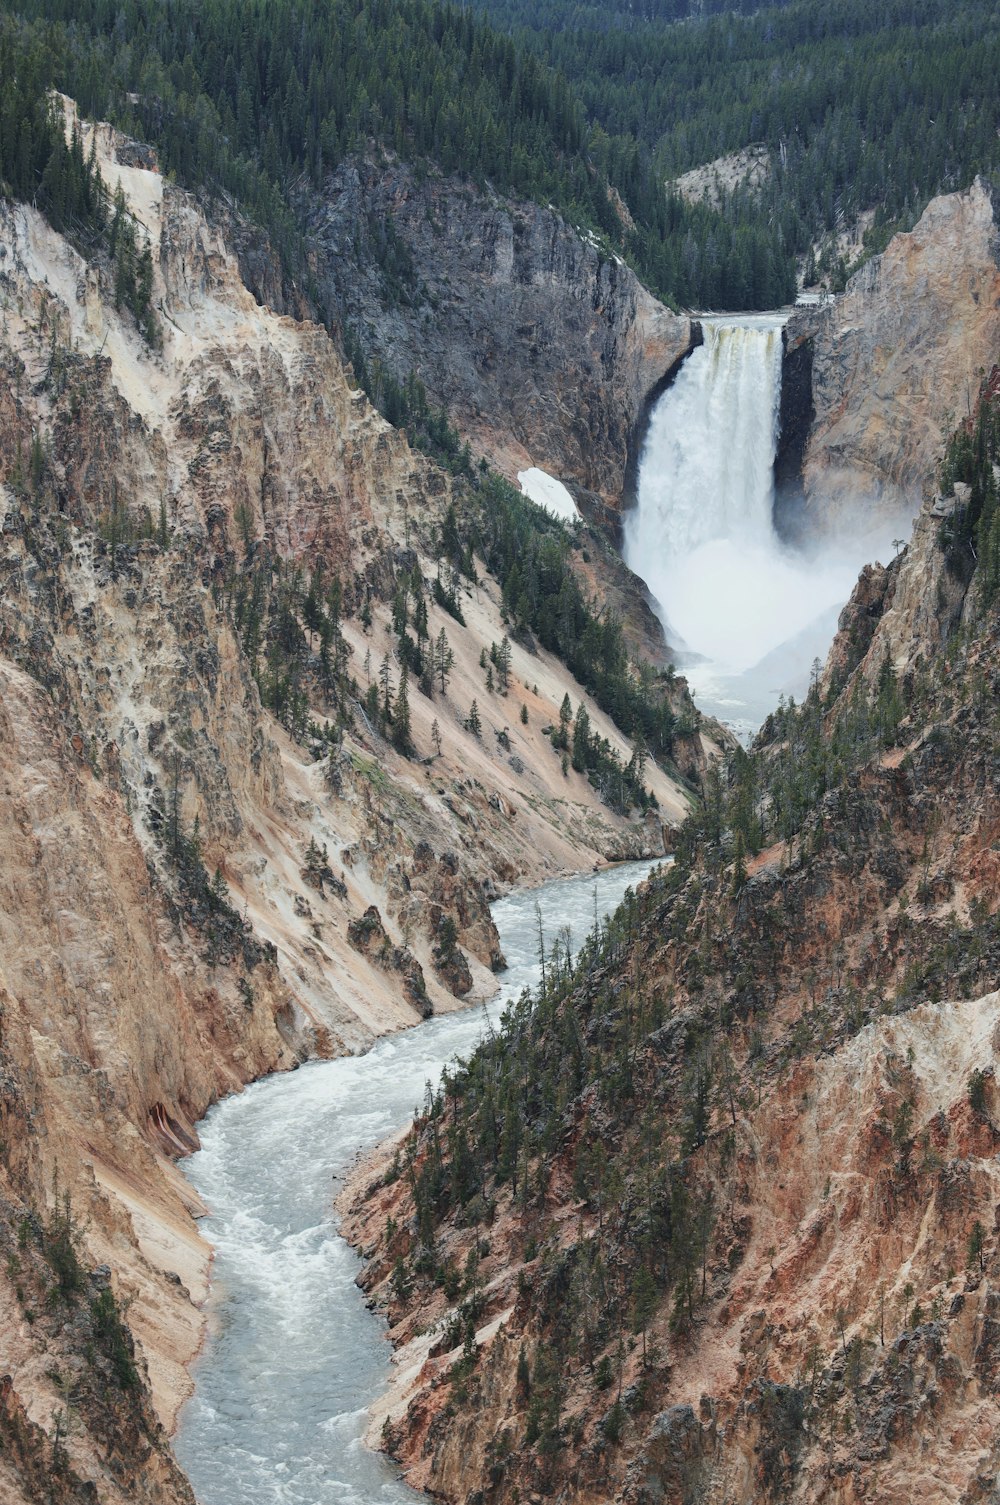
(41,163)
(248,98)
(862,107)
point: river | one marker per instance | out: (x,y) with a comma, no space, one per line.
(294,1357)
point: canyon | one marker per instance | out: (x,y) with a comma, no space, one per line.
(138,484)
(196,891)
(752,1255)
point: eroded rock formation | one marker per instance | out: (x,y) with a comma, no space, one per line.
(180,874)
(896,361)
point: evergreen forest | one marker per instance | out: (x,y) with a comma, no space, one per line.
(593,109)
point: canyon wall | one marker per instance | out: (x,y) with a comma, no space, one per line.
(194,889)
(541,346)
(896,362)
(754,1257)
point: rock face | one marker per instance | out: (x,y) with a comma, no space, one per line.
(109,1012)
(897,360)
(181,880)
(367,935)
(541,347)
(896,614)
(708,184)
(808,1126)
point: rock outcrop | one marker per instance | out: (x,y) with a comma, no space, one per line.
(541,346)
(896,361)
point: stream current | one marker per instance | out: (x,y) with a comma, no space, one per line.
(294,1357)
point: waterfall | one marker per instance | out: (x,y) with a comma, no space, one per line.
(706,472)
(745,615)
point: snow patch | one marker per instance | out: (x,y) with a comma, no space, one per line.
(549,494)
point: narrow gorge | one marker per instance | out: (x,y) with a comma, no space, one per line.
(294,1360)
(497,986)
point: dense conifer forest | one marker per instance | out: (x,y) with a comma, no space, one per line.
(860,107)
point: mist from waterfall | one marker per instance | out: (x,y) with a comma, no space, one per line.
(745,614)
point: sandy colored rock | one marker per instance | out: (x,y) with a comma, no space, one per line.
(138,764)
(897,362)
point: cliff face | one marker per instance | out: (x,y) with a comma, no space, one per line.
(116,1034)
(897,361)
(184,874)
(541,347)
(733,1236)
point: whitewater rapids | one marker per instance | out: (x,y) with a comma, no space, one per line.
(294,1358)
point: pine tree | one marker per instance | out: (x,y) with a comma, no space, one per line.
(401,714)
(581,738)
(444,659)
(503,663)
(643,1306)
(561,738)
(385,680)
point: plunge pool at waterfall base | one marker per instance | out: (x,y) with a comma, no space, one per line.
(774,589)
(293,1357)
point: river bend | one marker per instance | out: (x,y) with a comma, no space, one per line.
(294,1357)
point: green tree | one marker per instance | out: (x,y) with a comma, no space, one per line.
(401,714)
(561,738)
(444,660)
(644,1301)
(581,738)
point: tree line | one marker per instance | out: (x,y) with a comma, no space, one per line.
(860,108)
